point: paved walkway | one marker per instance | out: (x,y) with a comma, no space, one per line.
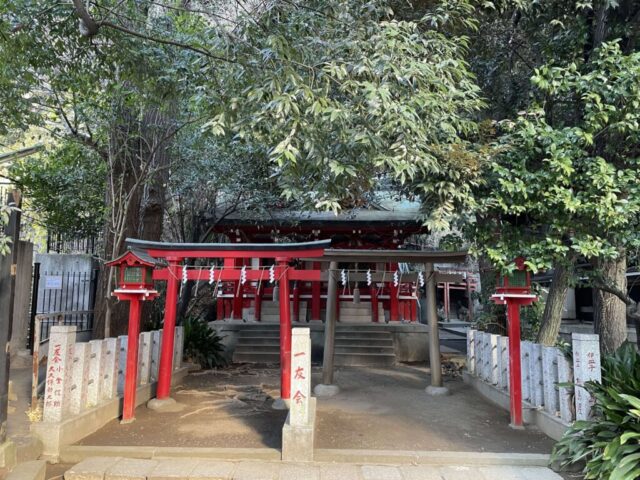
(193,469)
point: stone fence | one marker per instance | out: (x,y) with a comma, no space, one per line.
(84,382)
(551,381)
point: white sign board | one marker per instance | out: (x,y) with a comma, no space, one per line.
(53,282)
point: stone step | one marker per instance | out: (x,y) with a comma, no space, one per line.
(258,341)
(364,334)
(365,359)
(350,348)
(256,357)
(260,332)
(379,342)
(254,347)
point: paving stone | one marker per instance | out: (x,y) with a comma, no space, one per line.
(92,468)
(379,472)
(421,472)
(212,470)
(464,473)
(339,472)
(176,468)
(519,473)
(256,471)
(131,469)
(299,472)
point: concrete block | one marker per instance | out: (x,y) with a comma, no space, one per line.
(80,377)
(299,472)
(550,379)
(380,472)
(471,351)
(110,378)
(298,440)
(493,359)
(565,394)
(33,470)
(156,341)
(174,469)
(212,470)
(256,471)
(58,376)
(525,354)
(92,468)
(96,372)
(144,360)
(339,472)
(537,385)
(586,367)
(122,361)
(130,469)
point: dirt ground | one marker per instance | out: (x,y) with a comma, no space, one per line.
(376,409)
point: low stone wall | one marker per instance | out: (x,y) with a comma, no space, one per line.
(547,373)
(410,340)
(85,383)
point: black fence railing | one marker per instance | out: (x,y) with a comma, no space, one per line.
(60,243)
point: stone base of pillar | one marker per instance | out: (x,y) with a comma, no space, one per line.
(297,440)
(280,404)
(165,405)
(322,390)
(437,391)
(8,454)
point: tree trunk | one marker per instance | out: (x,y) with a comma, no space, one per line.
(609,311)
(552,317)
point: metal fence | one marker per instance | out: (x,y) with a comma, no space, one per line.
(60,243)
(61,298)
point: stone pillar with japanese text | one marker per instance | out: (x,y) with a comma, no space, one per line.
(300,376)
(586,367)
(59,371)
(299,429)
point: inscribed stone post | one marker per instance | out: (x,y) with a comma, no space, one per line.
(535,364)
(110,379)
(471,356)
(486,354)
(525,354)
(504,362)
(80,378)
(62,340)
(96,372)
(493,359)
(156,341)
(478,349)
(550,378)
(565,393)
(177,348)
(300,376)
(586,367)
(122,361)
(144,360)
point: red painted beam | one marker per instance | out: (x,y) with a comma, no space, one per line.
(230,274)
(303,253)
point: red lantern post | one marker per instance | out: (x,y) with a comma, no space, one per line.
(514,291)
(134,283)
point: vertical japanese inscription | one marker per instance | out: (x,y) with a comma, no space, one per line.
(300,376)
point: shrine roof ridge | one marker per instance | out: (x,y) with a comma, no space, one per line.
(136,245)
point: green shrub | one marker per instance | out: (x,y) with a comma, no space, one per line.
(202,344)
(610,442)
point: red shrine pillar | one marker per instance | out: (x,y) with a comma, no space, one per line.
(131,373)
(168,331)
(238,293)
(257,301)
(394,304)
(515,374)
(285,329)
(316,288)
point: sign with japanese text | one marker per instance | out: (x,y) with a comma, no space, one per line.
(300,376)
(586,367)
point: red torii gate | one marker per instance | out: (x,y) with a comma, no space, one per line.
(174,254)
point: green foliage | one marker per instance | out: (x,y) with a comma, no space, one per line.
(568,186)
(202,344)
(610,443)
(65,187)
(346,97)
